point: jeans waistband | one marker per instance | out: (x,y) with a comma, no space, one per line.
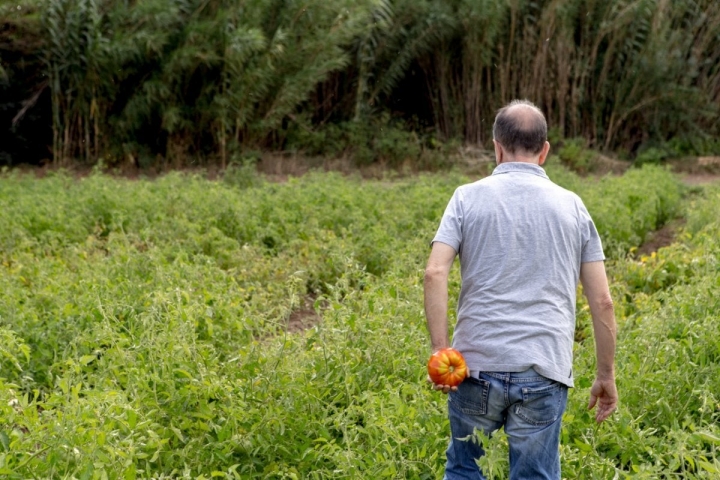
(528,375)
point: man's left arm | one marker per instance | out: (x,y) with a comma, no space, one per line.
(595,285)
(436,297)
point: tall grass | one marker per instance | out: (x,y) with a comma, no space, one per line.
(611,72)
(207,77)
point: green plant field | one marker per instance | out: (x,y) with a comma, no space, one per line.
(144,329)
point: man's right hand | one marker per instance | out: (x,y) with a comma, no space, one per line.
(603,394)
(442,388)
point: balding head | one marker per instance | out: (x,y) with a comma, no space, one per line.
(520,127)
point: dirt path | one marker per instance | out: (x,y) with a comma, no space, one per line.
(304,317)
(699,178)
(666,235)
(660,238)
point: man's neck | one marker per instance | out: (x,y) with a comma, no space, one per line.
(520,159)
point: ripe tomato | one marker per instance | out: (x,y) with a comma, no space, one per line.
(447,367)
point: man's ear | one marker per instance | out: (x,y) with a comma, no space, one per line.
(544,153)
(498,152)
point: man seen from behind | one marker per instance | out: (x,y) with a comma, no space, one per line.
(523,244)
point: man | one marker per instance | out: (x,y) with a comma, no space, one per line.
(523,244)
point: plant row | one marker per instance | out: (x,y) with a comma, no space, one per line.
(145,330)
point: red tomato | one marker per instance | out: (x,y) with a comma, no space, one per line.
(447,367)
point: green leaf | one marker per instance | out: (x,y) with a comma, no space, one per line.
(708,467)
(87,359)
(708,437)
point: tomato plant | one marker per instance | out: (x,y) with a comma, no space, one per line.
(154,319)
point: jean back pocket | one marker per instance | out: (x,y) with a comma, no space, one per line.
(471,397)
(541,405)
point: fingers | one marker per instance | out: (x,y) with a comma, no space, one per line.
(603,395)
(593,401)
(605,407)
(604,411)
(601,414)
(442,388)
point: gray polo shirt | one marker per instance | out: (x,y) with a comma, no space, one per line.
(521,240)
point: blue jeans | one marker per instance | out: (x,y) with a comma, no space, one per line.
(528,405)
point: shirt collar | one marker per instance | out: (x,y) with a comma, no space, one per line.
(521,167)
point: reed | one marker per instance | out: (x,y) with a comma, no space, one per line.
(201,81)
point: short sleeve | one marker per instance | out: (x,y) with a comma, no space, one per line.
(450,230)
(592,250)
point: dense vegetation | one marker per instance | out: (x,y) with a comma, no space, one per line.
(144,329)
(181,82)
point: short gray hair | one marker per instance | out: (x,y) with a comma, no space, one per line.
(523,128)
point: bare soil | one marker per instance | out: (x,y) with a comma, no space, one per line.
(660,238)
(303,317)
(666,235)
(700,178)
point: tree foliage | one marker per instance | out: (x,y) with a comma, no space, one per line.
(203,80)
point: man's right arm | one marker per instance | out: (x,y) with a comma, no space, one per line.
(595,285)
(436,294)
(436,299)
